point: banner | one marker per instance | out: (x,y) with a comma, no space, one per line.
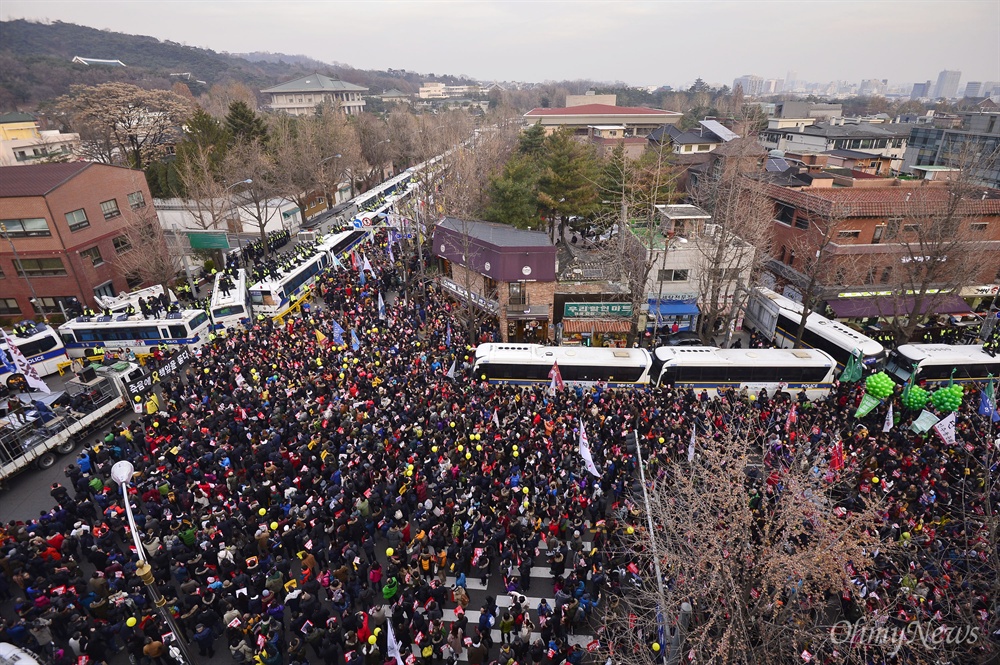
(556,376)
(391,645)
(588,459)
(338,334)
(381,307)
(924,422)
(867,404)
(988,402)
(152,376)
(691,444)
(945,428)
(887,426)
(23,366)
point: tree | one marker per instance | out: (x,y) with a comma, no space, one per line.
(532,141)
(740,235)
(147,256)
(124,124)
(513,195)
(243,124)
(249,160)
(753,557)
(405,144)
(373,140)
(568,183)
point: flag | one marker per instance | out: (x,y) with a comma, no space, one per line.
(496,419)
(22,366)
(451,372)
(945,428)
(588,459)
(988,401)
(837,456)
(354,260)
(361,278)
(381,306)
(867,404)
(338,334)
(392,259)
(556,376)
(337,265)
(852,370)
(320,337)
(447,337)
(792,418)
(924,422)
(887,426)
(391,645)
(366,265)
(691,444)
(355,342)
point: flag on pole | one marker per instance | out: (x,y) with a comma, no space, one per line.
(354,260)
(337,265)
(338,334)
(366,265)
(588,459)
(887,426)
(361,278)
(355,342)
(391,645)
(19,365)
(852,370)
(837,456)
(320,337)
(451,372)
(945,428)
(867,404)
(556,376)
(691,444)
(381,306)
(496,419)
(447,337)
(792,418)
(988,402)
(392,259)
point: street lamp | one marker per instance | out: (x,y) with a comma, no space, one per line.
(35,303)
(121,473)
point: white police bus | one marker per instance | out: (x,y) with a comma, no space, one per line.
(936,364)
(87,336)
(39,344)
(230,308)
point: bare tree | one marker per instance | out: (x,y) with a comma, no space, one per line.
(124,124)
(740,235)
(373,139)
(249,161)
(141,250)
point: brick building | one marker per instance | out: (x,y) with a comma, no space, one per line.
(875,233)
(507,274)
(67,222)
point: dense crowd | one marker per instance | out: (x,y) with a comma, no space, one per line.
(296,493)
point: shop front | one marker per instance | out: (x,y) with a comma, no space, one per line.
(595,324)
(528,325)
(681,311)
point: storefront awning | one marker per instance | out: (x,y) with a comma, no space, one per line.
(597,325)
(675,309)
(886,306)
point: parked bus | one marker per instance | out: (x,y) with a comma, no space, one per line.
(230,308)
(774,370)
(934,363)
(40,345)
(87,336)
(531,363)
(777,318)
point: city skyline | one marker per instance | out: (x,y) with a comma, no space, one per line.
(542,41)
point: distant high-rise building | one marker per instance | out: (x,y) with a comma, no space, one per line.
(921,90)
(947,84)
(751,84)
(973,88)
(791,79)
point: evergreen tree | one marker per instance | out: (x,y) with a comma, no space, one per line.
(244,125)
(206,141)
(514,194)
(532,140)
(568,182)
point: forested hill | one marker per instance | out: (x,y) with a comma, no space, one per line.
(35,64)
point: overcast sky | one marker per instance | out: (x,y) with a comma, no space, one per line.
(640,43)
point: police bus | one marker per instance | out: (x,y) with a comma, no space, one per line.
(41,346)
(87,336)
(937,364)
(230,307)
(531,363)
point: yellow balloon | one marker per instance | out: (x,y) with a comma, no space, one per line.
(376,363)
(138,399)
(874,481)
(656,646)
(452,423)
(372,639)
(355,361)
(515,453)
(207,370)
(479,449)
(478,437)
(378,631)
(409,473)
(468,455)
(460,447)
(341,375)
(630,531)
(434,449)
(262,512)
(661,439)
(417,344)
(274,526)
(483,377)
(130,622)
(514,447)
(345,365)
(389,551)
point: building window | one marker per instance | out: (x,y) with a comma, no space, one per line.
(77,219)
(978,227)
(94,254)
(136,201)
(849,234)
(51,305)
(672,275)
(107,290)
(782,257)
(110,209)
(516,294)
(9,306)
(34,227)
(122,244)
(133,280)
(886,274)
(892,228)
(39,267)
(785,214)
(909,228)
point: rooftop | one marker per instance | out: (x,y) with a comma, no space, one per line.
(598,109)
(849,154)
(14,116)
(836,131)
(315,83)
(499,235)
(881,201)
(98,61)
(37,179)
(682,211)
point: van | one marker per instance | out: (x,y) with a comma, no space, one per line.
(12,655)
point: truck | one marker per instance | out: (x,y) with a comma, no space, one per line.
(33,434)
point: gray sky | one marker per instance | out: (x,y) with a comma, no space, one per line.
(641,43)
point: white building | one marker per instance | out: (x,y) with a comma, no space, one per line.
(22,142)
(303,95)
(182,215)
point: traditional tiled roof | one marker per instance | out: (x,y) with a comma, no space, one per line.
(315,83)
(15,116)
(37,179)
(882,201)
(598,109)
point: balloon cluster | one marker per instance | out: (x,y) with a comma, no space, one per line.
(879,385)
(947,399)
(915,398)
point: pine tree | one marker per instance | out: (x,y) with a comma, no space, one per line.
(244,125)
(514,194)
(532,141)
(568,183)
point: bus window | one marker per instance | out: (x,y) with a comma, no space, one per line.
(178,332)
(198,320)
(37,346)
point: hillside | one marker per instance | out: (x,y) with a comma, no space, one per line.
(35,64)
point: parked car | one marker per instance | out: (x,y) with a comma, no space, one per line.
(682,338)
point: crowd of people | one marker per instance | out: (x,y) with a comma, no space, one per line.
(298,494)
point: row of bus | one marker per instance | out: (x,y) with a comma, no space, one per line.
(710,368)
